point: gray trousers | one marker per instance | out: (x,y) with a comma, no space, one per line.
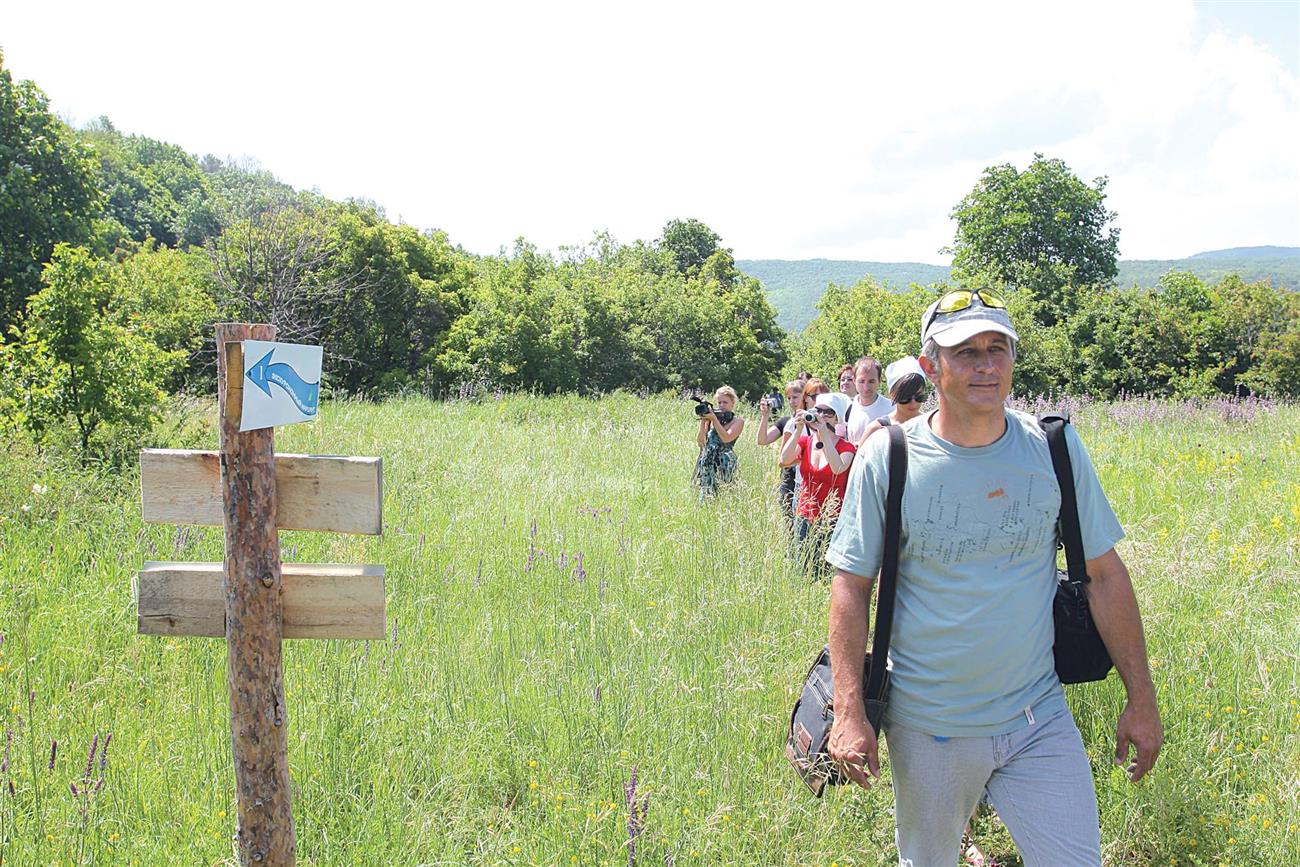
(1037,778)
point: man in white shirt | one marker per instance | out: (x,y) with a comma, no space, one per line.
(869,404)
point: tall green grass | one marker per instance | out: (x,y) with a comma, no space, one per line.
(501,721)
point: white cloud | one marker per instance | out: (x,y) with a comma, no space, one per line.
(844,130)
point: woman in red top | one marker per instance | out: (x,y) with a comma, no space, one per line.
(824,457)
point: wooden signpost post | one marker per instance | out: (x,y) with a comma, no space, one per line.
(252,599)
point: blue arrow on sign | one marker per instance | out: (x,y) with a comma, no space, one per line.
(305,395)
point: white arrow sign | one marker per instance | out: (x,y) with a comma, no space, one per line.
(281,383)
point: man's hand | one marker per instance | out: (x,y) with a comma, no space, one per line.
(854,748)
(1115,610)
(1138,729)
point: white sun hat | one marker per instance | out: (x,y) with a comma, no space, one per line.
(836,401)
(901,368)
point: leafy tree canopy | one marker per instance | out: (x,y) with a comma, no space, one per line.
(80,355)
(154,189)
(48,191)
(690,243)
(1041,230)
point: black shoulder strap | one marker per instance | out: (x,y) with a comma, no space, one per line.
(1053,424)
(884,421)
(888,562)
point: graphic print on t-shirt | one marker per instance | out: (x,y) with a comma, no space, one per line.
(992,530)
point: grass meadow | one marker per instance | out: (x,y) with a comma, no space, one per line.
(565,614)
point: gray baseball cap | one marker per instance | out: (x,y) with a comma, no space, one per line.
(949,329)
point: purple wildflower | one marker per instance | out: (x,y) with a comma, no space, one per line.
(88,786)
(636,813)
(90,759)
(579,572)
(54,750)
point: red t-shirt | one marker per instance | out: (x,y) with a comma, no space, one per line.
(820,483)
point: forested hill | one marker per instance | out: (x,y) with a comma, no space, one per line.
(793,286)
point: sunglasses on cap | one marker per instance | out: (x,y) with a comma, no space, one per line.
(960,299)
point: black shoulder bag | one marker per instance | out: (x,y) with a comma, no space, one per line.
(1080,654)
(814,713)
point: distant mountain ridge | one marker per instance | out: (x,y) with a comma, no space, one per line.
(794,285)
(1250,253)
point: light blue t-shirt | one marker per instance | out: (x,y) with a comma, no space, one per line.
(971,646)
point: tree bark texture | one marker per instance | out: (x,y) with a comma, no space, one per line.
(254,611)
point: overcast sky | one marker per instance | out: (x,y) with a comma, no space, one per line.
(837,130)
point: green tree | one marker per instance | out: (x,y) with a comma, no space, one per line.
(609,317)
(166,296)
(864,319)
(154,189)
(514,334)
(73,360)
(1041,230)
(246,192)
(47,191)
(402,291)
(690,243)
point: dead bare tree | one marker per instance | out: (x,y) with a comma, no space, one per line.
(277,269)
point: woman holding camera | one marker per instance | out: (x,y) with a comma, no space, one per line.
(716,437)
(823,456)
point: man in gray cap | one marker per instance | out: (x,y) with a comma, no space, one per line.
(975,705)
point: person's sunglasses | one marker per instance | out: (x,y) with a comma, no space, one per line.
(825,410)
(919,397)
(960,299)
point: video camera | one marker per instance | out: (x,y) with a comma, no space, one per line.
(704,407)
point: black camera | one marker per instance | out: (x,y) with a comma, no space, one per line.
(704,407)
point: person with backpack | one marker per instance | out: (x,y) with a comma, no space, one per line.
(975,704)
(868,403)
(907,393)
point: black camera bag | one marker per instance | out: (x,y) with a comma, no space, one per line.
(1080,654)
(814,713)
